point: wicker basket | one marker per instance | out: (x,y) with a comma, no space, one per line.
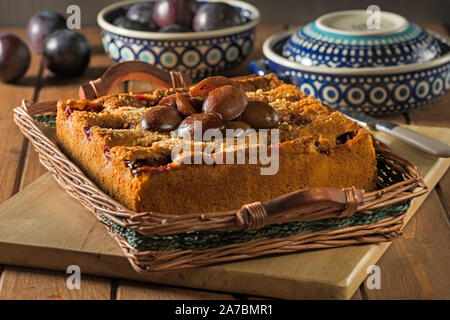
(307,219)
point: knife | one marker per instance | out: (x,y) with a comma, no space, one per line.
(411,137)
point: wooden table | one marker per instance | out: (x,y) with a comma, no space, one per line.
(414,267)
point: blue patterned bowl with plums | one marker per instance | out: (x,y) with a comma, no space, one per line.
(199,54)
(365,73)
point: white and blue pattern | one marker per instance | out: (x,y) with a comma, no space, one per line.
(147,56)
(198,57)
(315,47)
(371,94)
(213,56)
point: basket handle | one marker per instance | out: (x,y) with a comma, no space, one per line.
(132,70)
(304,202)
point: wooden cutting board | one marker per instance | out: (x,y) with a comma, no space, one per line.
(44,227)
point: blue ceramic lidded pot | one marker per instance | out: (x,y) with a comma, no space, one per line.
(344,63)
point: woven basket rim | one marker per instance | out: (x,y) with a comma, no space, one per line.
(71,178)
(155,261)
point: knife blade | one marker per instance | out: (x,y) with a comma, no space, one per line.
(411,137)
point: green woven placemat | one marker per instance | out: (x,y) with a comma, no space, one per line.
(47,119)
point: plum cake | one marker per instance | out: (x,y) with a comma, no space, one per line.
(205,148)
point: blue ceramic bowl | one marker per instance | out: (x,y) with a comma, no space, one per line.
(377,90)
(342,39)
(200,54)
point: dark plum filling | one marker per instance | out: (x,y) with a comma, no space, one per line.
(142,97)
(88,131)
(106,153)
(128,126)
(343,138)
(149,165)
(295,119)
(322,149)
(95,108)
(68,111)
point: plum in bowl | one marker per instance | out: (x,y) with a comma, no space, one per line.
(200,54)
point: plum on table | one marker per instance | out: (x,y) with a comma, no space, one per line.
(67,53)
(40,26)
(14,57)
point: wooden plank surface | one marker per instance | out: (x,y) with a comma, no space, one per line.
(408,270)
(23,168)
(428,230)
(128,290)
(30,284)
(443,191)
(13,144)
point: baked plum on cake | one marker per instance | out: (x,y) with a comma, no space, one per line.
(126,144)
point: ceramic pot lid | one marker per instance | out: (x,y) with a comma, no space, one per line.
(352,39)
